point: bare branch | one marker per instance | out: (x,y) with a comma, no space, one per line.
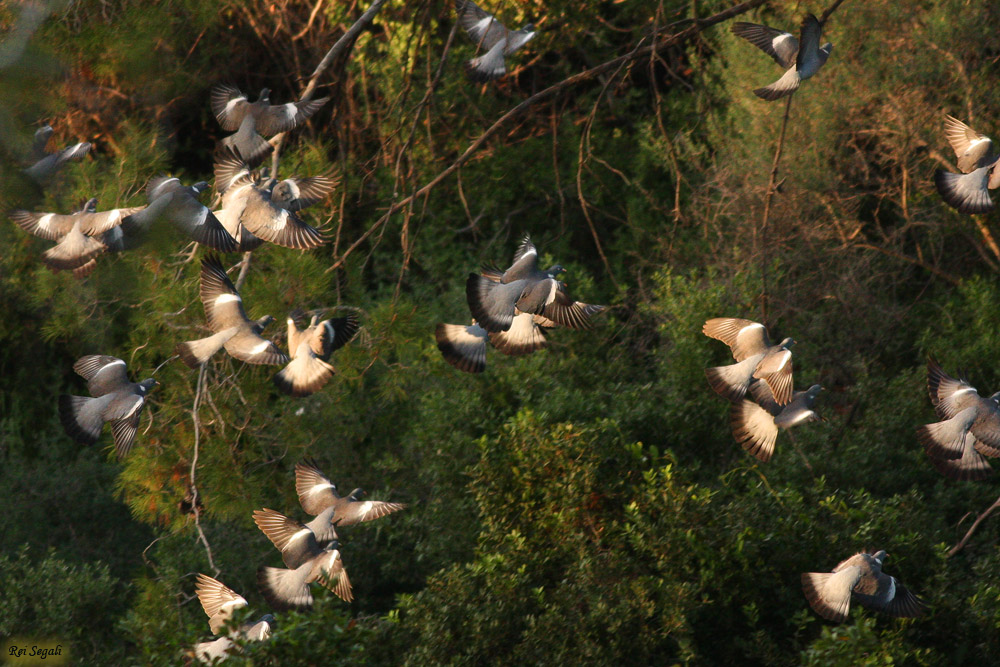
(194,466)
(975,524)
(772,187)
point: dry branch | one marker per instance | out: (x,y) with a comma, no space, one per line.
(194,466)
(975,524)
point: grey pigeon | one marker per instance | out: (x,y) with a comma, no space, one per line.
(495,298)
(306,561)
(249,214)
(75,251)
(115,400)
(969,430)
(230,170)
(82,235)
(318,494)
(295,194)
(491,35)
(526,334)
(251,120)
(756,359)
(977,159)
(229,323)
(464,347)
(755,423)
(860,577)
(219,602)
(170,200)
(54,226)
(46,164)
(801,57)
(310,350)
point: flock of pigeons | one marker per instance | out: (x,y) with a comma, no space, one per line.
(310,552)
(763,371)
(512,310)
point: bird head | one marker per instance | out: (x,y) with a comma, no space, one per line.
(996,398)
(264,321)
(880,557)
(200,187)
(787,343)
(555,271)
(814,390)
(265,95)
(356,494)
(148,385)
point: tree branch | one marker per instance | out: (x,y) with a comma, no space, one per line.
(975,524)
(697,25)
(772,187)
(194,466)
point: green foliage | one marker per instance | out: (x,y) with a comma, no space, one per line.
(46,598)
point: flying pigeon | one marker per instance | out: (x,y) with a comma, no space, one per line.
(495,297)
(755,423)
(464,347)
(969,430)
(54,226)
(115,400)
(295,194)
(318,494)
(489,34)
(250,120)
(75,251)
(46,164)
(800,63)
(306,561)
(219,602)
(249,214)
(310,350)
(170,200)
(969,191)
(229,323)
(756,359)
(860,577)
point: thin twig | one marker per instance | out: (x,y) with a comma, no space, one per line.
(772,187)
(244,268)
(975,524)
(697,25)
(312,17)
(194,466)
